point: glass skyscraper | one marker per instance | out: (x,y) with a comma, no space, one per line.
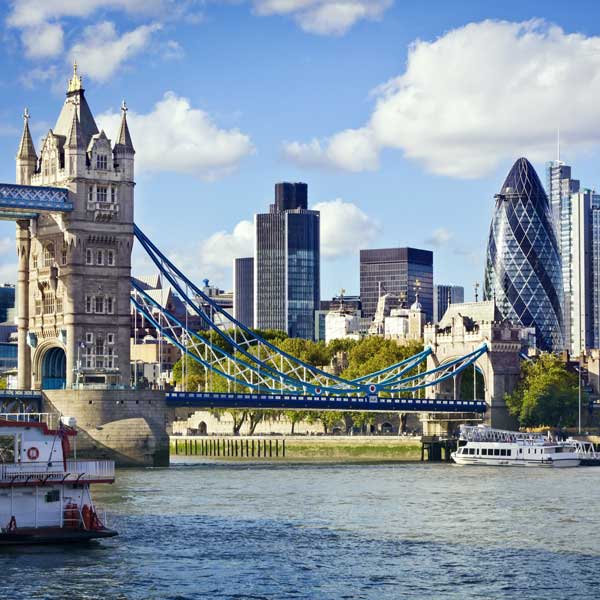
(404,272)
(443,296)
(523,269)
(287,263)
(243,290)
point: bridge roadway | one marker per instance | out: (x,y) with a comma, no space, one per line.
(209,400)
(284,401)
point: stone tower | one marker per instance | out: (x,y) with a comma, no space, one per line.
(74,268)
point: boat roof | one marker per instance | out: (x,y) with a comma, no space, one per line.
(7,423)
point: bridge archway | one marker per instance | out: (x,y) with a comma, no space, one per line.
(54,368)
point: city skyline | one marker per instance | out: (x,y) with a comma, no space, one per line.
(399,193)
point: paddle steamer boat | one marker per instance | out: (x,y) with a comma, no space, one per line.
(44,494)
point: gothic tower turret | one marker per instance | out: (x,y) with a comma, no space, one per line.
(75,313)
(26,156)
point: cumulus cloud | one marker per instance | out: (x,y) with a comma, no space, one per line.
(440,237)
(222,247)
(477,96)
(352,150)
(178,138)
(43,40)
(324,17)
(102,50)
(344,228)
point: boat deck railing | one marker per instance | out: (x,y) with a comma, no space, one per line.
(54,472)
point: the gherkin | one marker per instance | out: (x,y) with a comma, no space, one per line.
(523,270)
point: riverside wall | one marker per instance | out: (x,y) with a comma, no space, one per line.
(127,426)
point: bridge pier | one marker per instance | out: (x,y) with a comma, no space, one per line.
(24,351)
(128,426)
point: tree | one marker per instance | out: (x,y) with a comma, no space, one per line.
(294,417)
(3,383)
(546,395)
(362,419)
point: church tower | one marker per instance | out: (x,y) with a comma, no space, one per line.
(74,268)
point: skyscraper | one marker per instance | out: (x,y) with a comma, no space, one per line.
(243,290)
(287,263)
(559,186)
(523,272)
(580,244)
(405,272)
(443,296)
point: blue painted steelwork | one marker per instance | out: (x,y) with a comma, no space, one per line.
(20,401)
(291,374)
(291,401)
(27,201)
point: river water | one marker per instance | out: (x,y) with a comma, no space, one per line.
(409,530)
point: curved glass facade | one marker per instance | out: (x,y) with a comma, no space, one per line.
(523,271)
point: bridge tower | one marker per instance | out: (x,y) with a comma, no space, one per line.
(74,268)
(465,328)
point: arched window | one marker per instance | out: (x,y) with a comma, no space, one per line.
(49,255)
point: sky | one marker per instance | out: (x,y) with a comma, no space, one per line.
(402,117)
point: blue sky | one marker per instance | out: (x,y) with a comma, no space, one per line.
(402,117)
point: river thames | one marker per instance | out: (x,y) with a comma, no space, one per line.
(383,531)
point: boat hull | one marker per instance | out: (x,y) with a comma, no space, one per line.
(52,535)
(486,462)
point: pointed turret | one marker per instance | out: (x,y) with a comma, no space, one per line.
(75,137)
(123,151)
(26,156)
(124,143)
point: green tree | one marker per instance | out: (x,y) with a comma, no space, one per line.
(546,395)
(295,417)
(3,383)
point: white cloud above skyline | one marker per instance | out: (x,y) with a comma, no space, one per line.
(101,50)
(476,96)
(181,139)
(324,17)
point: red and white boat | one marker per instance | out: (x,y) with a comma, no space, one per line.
(44,494)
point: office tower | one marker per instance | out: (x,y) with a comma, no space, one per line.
(243,290)
(404,272)
(523,271)
(7,303)
(580,226)
(559,186)
(443,296)
(287,263)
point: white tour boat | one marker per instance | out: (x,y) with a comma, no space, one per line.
(496,447)
(44,494)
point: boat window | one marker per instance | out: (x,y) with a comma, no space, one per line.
(484,451)
(471,450)
(559,449)
(53,496)
(502,452)
(520,450)
(509,452)
(496,452)
(7,448)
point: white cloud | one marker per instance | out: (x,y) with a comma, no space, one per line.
(353,150)
(221,248)
(101,50)
(477,96)
(324,17)
(43,40)
(176,137)
(28,13)
(172,50)
(344,228)
(440,237)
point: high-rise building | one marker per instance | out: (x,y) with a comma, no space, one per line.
(559,185)
(7,303)
(443,296)
(523,271)
(581,269)
(404,272)
(287,263)
(243,290)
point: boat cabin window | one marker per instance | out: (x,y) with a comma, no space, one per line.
(496,451)
(53,496)
(7,448)
(558,449)
(484,451)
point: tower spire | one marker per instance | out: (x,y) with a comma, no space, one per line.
(76,82)
(124,143)
(26,147)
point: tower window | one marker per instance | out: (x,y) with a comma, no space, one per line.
(99,305)
(101,193)
(63,254)
(89,337)
(110,305)
(89,258)
(88,304)
(110,338)
(34,261)
(113,194)
(110,258)
(91,193)
(48,303)
(101,162)
(49,255)
(100,257)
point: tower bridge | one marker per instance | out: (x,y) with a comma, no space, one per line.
(74,211)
